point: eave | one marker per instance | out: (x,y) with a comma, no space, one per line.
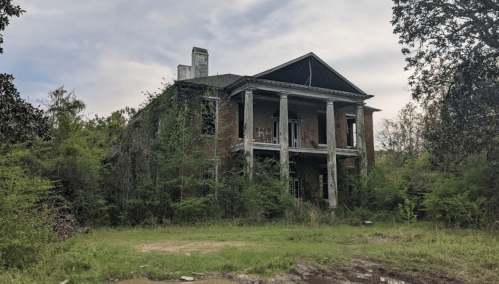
(293,90)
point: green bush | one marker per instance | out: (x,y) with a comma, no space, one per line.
(449,201)
(463,199)
(266,194)
(192,209)
(23,223)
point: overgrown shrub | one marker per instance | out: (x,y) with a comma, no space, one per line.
(464,199)
(192,209)
(23,232)
(266,194)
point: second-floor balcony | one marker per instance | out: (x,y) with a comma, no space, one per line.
(342,152)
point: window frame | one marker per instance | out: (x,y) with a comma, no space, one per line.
(353,134)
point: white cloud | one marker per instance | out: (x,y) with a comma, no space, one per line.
(110,51)
(116,82)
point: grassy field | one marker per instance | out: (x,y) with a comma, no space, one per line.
(167,253)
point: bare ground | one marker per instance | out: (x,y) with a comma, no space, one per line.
(358,271)
(188,247)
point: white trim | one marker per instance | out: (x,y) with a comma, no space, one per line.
(300,90)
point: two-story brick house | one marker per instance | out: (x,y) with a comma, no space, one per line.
(302,112)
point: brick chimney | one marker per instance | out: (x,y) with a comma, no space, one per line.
(199,65)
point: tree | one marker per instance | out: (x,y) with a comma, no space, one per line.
(453,48)
(402,137)
(19,120)
(23,220)
(76,157)
(7,10)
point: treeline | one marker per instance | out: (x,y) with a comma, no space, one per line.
(60,169)
(411,180)
(132,168)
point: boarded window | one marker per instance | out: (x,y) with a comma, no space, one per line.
(209,114)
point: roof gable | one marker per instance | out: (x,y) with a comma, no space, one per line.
(310,70)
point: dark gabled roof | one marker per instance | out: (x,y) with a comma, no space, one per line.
(219,81)
(310,70)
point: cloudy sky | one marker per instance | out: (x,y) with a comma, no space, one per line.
(110,51)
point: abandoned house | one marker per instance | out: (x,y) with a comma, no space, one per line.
(302,113)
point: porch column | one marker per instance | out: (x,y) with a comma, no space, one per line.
(283,138)
(332,185)
(248,130)
(361,139)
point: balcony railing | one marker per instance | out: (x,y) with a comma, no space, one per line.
(276,147)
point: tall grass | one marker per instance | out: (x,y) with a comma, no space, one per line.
(108,254)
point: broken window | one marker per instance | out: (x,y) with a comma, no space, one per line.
(351,130)
(209,115)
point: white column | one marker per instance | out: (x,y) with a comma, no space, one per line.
(248,130)
(283,138)
(332,186)
(361,139)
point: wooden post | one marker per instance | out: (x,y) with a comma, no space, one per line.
(332,185)
(361,139)
(283,139)
(248,130)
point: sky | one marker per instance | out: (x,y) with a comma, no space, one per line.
(112,51)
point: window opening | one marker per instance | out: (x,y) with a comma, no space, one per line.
(275,139)
(351,131)
(240,115)
(322,128)
(209,115)
(294,135)
(208,174)
(296,187)
(323,180)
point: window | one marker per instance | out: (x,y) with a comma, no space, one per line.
(351,130)
(322,127)
(294,135)
(208,175)
(209,112)
(323,182)
(295,187)
(240,115)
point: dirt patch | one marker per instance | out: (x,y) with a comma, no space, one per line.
(358,271)
(188,247)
